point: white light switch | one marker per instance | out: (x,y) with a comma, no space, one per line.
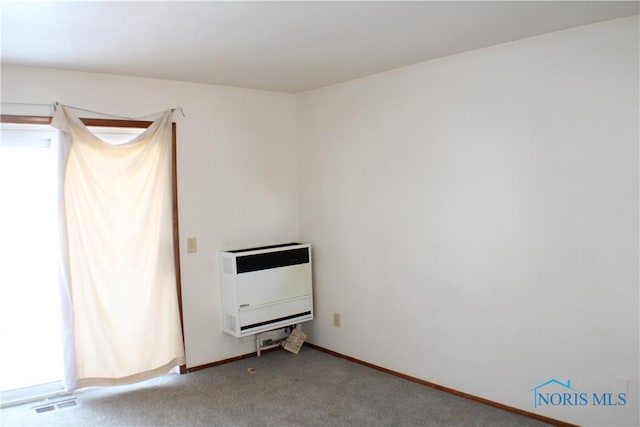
(192,245)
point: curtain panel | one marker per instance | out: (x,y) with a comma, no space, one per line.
(120,303)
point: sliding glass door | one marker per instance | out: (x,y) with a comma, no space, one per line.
(30,314)
(29,302)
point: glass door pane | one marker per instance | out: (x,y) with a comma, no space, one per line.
(29,301)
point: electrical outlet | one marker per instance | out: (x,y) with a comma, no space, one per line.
(336,320)
(192,245)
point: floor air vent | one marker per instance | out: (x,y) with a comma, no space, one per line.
(67,403)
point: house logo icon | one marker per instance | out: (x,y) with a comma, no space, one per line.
(565,392)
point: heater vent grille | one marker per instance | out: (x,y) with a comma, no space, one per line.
(67,403)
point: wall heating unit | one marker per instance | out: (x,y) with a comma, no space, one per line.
(265,288)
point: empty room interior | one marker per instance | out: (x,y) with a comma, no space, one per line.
(453,185)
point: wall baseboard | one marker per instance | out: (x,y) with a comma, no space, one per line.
(229,360)
(443,388)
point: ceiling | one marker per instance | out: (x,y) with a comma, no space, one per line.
(280,46)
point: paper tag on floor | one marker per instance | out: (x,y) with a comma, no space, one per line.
(294,341)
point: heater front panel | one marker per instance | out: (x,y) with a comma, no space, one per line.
(267,286)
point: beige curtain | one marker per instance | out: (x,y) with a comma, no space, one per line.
(123,313)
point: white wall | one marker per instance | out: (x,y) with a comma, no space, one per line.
(475,218)
(237,177)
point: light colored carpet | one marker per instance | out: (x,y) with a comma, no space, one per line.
(309,389)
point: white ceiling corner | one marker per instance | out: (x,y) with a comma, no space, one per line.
(279,46)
